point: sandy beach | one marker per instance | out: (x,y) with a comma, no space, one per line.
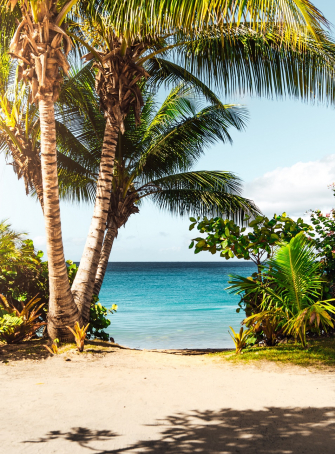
(127,401)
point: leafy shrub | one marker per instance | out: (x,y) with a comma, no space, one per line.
(257,245)
(325,241)
(17,326)
(228,238)
(22,270)
(99,320)
(291,291)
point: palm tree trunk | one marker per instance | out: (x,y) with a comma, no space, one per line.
(110,236)
(121,208)
(62,308)
(83,284)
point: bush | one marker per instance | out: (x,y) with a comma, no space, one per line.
(291,292)
(22,271)
(17,326)
(325,241)
(98,320)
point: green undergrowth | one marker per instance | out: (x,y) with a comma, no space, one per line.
(320,353)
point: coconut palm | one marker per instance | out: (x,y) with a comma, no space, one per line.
(41,46)
(155,160)
(125,44)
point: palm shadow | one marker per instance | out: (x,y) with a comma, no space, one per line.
(79,435)
(269,431)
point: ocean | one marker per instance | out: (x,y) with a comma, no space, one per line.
(172,304)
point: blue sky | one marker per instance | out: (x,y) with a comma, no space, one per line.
(286,158)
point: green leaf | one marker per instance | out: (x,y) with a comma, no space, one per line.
(201,244)
(212,249)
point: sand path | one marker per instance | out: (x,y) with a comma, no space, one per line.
(134,402)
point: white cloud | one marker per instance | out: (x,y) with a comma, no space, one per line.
(294,189)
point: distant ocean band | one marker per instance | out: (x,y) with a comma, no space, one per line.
(173,304)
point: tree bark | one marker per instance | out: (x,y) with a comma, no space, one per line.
(62,308)
(110,236)
(120,209)
(83,284)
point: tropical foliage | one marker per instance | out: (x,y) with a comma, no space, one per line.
(79,335)
(154,160)
(240,339)
(290,292)
(21,324)
(231,240)
(99,320)
(22,270)
(54,350)
(324,225)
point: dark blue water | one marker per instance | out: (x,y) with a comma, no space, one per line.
(172,305)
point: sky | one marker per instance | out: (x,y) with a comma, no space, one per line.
(285,157)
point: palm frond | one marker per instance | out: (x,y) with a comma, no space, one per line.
(246,62)
(201,192)
(151,17)
(294,269)
(177,145)
(168,73)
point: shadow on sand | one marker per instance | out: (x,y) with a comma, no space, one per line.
(273,430)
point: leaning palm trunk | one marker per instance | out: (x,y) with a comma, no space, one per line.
(37,44)
(110,236)
(83,284)
(121,208)
(116,85)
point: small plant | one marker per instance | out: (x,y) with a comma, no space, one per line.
(268,322)
(54,350)
(98,320)
(240,339)
(17,326)
(79,335)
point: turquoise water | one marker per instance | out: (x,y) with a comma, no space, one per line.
(172,305)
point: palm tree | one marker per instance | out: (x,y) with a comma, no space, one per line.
(125,44)
(155,160)
(41,46)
